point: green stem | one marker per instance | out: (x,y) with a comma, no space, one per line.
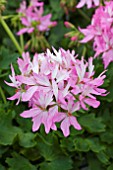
(21,40)
(7,17)
(4,74)
(84,51)
(3,95)
(84,15)
(7,29)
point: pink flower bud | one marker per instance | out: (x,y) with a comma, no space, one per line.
(68,24)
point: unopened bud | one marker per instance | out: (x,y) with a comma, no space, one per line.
(68,24)
(74,38)
(2,5)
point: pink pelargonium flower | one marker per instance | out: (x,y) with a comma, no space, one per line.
(32,18)
(56,85)
(89,3)
(67,117)
(40,114)
(24,94)
(100,31)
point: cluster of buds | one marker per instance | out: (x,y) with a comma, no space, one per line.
(101,32)
(35,23)
(56,86)
(74,34)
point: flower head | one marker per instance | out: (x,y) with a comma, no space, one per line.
(101,32)
(56,85)
(32,18)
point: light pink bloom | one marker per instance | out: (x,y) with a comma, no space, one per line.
(32,18)
(40,114)
(67,118)
(101,33)
(56,85)
(24,63)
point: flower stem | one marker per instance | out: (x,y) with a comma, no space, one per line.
(84,15)
(84,51)
(7,29)
(21,40)
(3,95)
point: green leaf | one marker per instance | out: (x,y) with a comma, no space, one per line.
(62,163)
(3,149)
(18,162)
(8,132)
(110,167)
(110,151)
(31,154)
(55,5)
(103,157)
(86,144)
(94,163)
(27,140)
(2,167)
(48,146)
(95,144)
(81,145)
(75,132)
(56,36)
(91,123)
(6,58)
(107,137)
(57,11)
(67,144)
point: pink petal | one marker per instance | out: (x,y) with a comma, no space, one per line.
(42,80)
(55,89)
(22,31)
(26,96)
(92,102)
(30,30)
(36,122)
(15,96)
(74,122)
(65,126)
(30,113)
(10,84)
(26,80)
(81,4)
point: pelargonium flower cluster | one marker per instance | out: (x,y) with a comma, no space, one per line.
(56,85)
(101,32)
(32,17)
(89,3)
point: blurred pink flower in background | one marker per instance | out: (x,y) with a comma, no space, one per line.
(32,18)
(101,32)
